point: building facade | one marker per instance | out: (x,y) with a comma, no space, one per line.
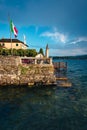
(12,44)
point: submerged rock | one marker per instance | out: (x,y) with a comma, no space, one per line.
(64,84)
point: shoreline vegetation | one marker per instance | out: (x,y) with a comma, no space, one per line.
(18,52)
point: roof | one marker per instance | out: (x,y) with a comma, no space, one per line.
(47,46)
(39,56)
(13,40)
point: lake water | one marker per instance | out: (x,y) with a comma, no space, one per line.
(49,108)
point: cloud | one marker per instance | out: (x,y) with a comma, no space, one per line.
(80,39)
(56,36)
(68,52)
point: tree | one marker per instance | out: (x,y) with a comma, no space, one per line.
(19,52)
(41,51)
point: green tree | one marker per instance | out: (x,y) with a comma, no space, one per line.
(19,52)
(41,51)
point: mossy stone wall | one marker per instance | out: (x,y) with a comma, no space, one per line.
(12,72)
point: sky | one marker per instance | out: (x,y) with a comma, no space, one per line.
(62,24)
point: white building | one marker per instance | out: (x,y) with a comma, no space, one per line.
(47,52)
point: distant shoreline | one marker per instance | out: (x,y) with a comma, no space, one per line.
(82,57)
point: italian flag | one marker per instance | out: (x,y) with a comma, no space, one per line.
(13,29)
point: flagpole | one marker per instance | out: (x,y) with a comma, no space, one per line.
(10,34)
(11,42)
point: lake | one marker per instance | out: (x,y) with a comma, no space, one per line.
(50,108)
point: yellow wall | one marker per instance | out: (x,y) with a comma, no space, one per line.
(14,45)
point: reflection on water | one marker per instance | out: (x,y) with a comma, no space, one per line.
(49,108)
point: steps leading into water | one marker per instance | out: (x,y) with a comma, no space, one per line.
(60,69)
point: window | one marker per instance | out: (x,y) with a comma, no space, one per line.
(16,44)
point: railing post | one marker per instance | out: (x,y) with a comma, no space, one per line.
(35,61)
(50,61)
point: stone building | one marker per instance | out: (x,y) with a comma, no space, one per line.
(12,43)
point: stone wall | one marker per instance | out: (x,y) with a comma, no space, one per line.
(12,72)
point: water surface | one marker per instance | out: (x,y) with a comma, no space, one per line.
(49,108)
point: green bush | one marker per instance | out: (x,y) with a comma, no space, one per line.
(19,52)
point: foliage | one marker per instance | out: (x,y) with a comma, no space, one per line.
(18,52)
(23,70)
(41,51)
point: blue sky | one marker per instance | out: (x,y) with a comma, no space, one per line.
(62,24)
